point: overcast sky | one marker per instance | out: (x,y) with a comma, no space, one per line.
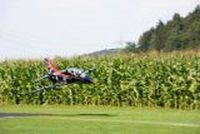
(40,28)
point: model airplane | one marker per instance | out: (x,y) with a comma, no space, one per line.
(66,76)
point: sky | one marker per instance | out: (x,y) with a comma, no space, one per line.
(48,28)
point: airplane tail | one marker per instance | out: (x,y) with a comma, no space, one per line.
(51,67)
(52,70)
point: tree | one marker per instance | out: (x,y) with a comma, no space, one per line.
(159,36)
(144,40)
(130,47)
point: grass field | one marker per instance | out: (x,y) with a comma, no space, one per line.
(58,119)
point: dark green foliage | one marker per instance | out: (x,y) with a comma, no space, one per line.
(130,47)
(177,34)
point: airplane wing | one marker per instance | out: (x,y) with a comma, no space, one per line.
(51,87)
(42,77)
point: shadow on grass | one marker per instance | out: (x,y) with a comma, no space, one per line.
(13,115)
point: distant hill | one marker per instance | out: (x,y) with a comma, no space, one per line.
(104,52)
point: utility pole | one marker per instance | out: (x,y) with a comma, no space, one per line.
(121,41)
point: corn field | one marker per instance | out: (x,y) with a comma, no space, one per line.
(141,80)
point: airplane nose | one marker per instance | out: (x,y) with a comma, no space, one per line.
(86,78)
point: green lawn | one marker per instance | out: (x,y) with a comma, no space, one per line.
(98,120)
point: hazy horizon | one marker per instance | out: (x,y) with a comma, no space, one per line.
(40,28)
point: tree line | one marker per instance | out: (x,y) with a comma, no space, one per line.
(180,33)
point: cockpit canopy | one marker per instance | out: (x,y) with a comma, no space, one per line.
(75,71)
